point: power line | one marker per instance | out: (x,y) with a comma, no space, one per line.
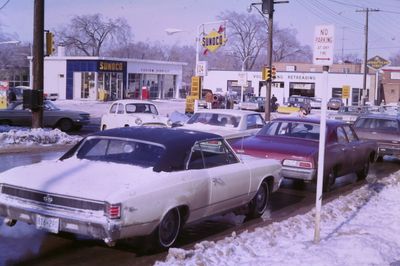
(4,4)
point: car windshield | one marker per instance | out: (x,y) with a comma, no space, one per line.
(213,119)
(140,108)
(133,152)
(291,129)
(296,99)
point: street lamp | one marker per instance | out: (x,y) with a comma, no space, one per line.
(267,8)
(10,42)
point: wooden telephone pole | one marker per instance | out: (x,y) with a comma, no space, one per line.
(37,63)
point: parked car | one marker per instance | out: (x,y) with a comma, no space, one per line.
(254,104)
(295,142)
(315,103)
(228,123)
(137,181)
(349,114)
(19,90)
(296,103)
(334,103)
(65,120)
(127,113)
(384,129)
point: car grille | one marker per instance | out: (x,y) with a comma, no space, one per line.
(52,199)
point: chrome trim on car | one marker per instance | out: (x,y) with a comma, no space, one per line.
(298,173)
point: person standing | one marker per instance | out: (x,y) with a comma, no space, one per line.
(273,103)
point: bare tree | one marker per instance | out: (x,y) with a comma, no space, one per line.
(247,36)
(89,34)
(395,59)
(287,48)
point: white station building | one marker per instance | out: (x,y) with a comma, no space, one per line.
(289,83)
(102,78)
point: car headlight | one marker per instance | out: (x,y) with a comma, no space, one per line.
(138,121)
(297,163)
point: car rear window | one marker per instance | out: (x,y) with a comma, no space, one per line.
(121,151)
(291,129)
(378,124)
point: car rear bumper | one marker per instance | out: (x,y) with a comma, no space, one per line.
(93,224)
(389,150)
(298,173)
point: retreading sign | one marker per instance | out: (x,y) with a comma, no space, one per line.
(110,66)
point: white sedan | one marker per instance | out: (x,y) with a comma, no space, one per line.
(127,113)
(228,123)
(137,181)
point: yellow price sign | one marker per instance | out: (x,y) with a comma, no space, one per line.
(346,92)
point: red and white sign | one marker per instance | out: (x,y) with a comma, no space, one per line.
(323,45)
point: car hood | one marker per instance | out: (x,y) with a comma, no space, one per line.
(276,147)
(78,178)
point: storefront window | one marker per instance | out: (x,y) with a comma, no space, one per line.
(88,85)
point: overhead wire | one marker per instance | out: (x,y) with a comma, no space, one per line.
(7,1)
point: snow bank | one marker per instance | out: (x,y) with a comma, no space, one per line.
(36,136)
(361,228)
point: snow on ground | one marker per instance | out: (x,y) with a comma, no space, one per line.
(25,136)
(361,228)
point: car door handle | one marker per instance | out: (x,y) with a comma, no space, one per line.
(218,181)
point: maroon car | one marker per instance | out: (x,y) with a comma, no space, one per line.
(295,142)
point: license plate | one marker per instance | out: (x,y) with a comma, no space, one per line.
(47,223)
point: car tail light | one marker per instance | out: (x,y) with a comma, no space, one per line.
(297,163)
(113,211)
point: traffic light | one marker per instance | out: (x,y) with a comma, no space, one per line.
(273,73)
(266,73)
(49,43)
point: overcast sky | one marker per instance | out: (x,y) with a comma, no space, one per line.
(150,18)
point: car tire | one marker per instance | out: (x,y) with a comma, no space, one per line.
(329,180)
(168,230)
(379,159)
(65,125)
(362,174)
(260,202)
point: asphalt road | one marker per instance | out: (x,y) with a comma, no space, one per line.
(24,245)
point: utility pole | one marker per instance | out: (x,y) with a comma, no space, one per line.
(269,4)
(343,43)
(366,11)
(37,62)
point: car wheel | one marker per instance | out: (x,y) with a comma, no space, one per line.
(379,159)
(362,174)
(329,180)
(65,124)
(168,229)
(259,203)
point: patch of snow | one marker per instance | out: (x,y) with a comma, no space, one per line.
(361,228)
(41,136)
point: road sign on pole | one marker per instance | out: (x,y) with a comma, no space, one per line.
(323,45)
(323,55)
(377,62)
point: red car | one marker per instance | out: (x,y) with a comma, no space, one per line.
(295,142)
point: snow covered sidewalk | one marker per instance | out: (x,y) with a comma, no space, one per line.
(362,228)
